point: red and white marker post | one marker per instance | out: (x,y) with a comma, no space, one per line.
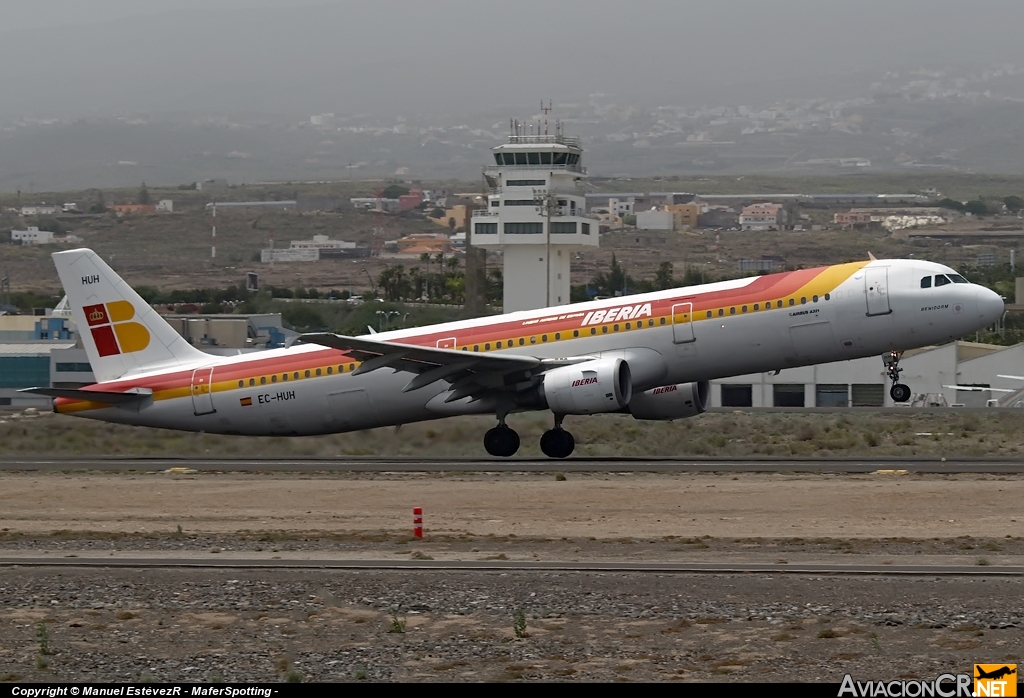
(417,522)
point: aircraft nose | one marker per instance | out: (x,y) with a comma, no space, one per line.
(990,305)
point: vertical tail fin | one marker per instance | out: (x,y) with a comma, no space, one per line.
(121,333)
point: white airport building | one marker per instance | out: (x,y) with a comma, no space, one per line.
(34,236)
(932,374)
(535,215)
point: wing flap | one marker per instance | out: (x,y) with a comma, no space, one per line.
(470,373)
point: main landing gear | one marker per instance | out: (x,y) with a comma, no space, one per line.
(503,441)
(898,392)
(557,442)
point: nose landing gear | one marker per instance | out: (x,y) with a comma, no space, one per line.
(557,442)
(898,392)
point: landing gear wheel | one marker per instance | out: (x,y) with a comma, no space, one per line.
(557,443)
(899,393)
(501,441)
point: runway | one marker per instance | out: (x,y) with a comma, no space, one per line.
(518,465)
(520,566)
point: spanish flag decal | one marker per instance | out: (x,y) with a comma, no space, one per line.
(245,401)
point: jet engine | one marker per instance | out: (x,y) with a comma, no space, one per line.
(602,385)
(676,401)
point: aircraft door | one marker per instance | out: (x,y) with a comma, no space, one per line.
(682,323)
(876,288)
(202,391)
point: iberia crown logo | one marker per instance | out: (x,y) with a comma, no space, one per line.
(112,332)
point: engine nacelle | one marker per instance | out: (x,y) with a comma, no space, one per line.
(676,401)
(602,385)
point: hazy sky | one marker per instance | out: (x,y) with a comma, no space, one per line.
(391,57)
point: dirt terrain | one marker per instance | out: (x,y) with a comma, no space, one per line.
(539,506)
(237,625)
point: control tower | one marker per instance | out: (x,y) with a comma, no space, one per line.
(536,215)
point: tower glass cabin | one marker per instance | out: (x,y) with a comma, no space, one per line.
(536,215)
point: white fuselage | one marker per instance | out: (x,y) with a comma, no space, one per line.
(675,336)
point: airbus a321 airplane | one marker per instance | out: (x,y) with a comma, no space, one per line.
(648,355)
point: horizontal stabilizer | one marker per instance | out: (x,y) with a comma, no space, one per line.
(136,395)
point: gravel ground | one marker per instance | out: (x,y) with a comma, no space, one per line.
(66,624)
(245,625)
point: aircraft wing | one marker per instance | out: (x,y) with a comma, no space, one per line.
(468,373)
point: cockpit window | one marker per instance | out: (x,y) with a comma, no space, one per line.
(957,279)
(926,282)
(941,280)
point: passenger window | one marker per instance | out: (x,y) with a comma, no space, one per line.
(273,378)
(604,329)
(803,300)
(926,282)
(814,298)
(757,306)
(575,333)
(307,373)
(476,347)
(543,338)
(629,326)
(351,367)
(792,301)
(318,372)
(295,375)
(732,311)
(330,370)
(721,312)
(941,280)
(263,380)
(252,381)
(743,309)
(487,347)
(241,384)
(827,296)
(593,330)
(558,335)
(710,313)
(533,340)
(616,327)
(522,341)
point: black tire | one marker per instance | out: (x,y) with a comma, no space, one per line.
(501,441)
(570,445)
(511,437)
(899,392)
(557,443)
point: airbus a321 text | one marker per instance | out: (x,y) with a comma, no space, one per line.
(648,355)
